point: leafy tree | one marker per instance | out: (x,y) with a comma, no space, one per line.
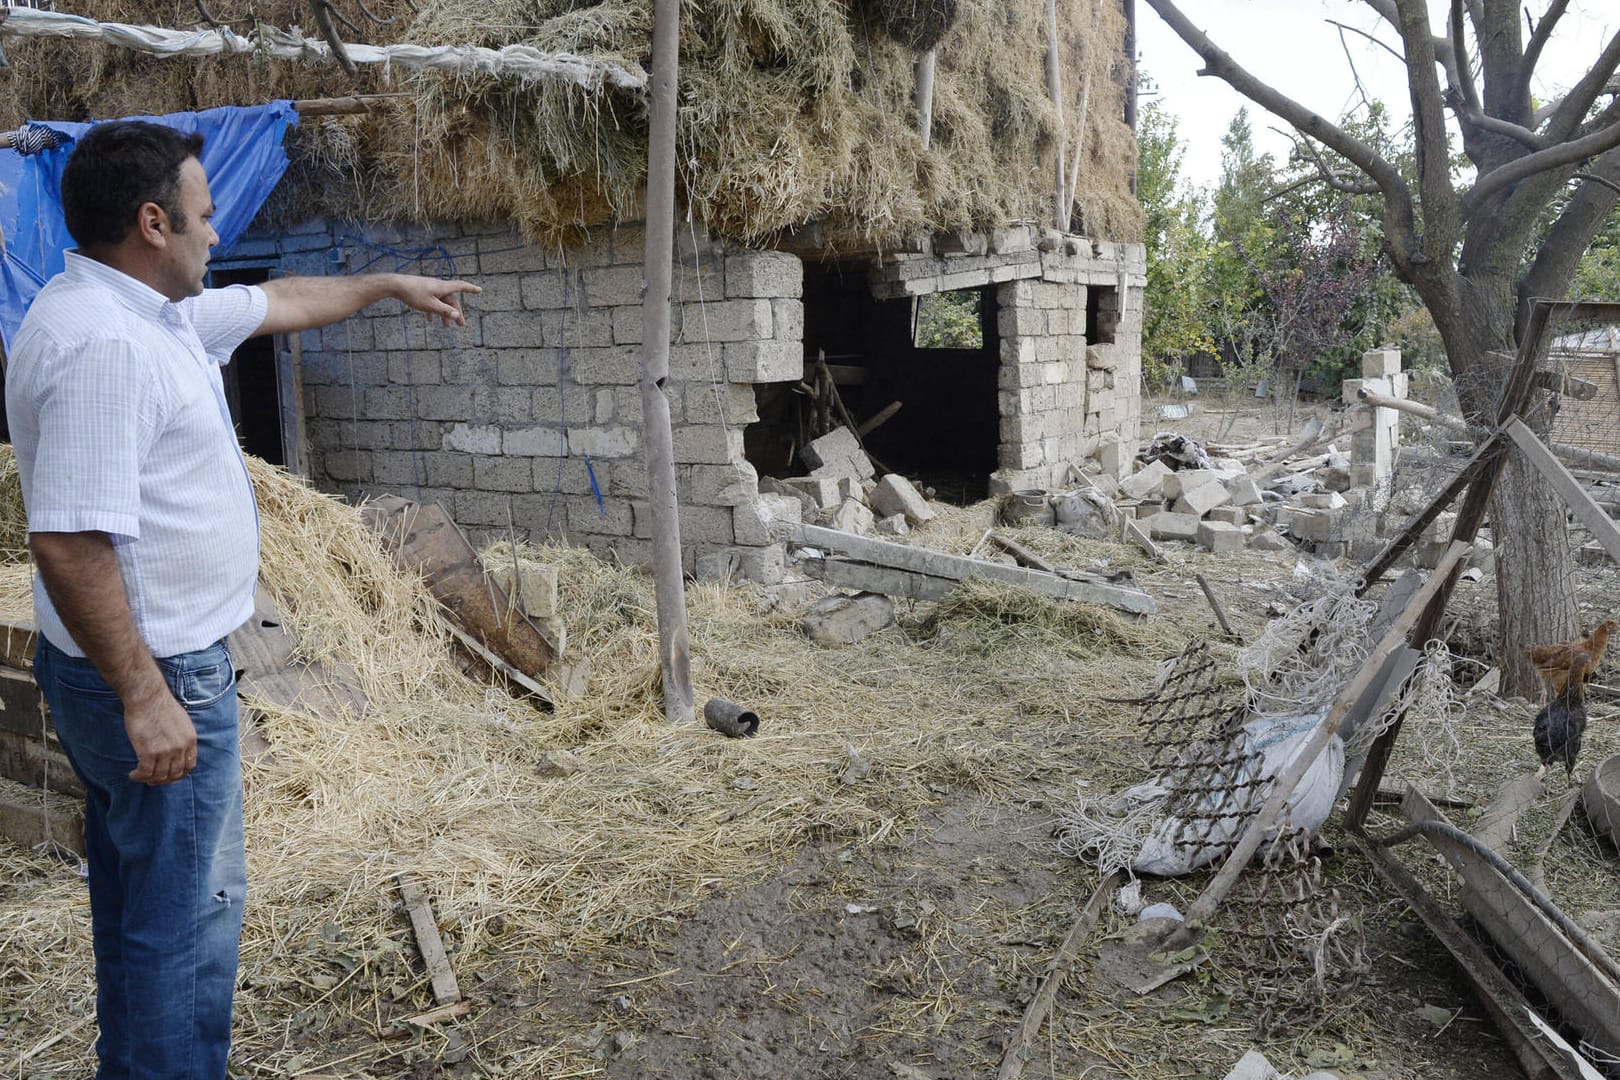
(1463,242)
(1174,322)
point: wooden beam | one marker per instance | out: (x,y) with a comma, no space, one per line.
(426,929)
(1582,505)
(957,568)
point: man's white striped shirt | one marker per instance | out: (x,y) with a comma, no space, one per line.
(118,417)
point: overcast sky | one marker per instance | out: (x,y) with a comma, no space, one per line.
(1290,44)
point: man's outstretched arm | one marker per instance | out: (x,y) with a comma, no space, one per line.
(304,303)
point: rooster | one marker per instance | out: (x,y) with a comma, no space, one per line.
(1561,724)
(1553,662)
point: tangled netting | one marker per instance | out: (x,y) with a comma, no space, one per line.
(1214,742)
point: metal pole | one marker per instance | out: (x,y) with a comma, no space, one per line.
(674,647)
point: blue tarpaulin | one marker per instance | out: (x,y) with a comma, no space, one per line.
(242,154)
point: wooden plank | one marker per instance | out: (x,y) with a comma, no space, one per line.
(18,639)
(1503,1001)
(37,763)
(423,538)
(1024,556)
(30,817)
(263,655)
(290,389)
(426,929)
(957,568)
(501,667)
(1582,505)
(1563,383)
(22,709)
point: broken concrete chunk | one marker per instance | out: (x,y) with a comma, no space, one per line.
(836,454)
(852,516)
(1199,501)
(1113,456)
(1220,536)
(1178,484)
(1172,526)
(822,489)
(1106,484)
(1146,483)
(893,525)
(1232,515)
(1265,539)
(895,495)
(1335,479)
(844,620)
(1244,491)
(1318,525)
(1322,500)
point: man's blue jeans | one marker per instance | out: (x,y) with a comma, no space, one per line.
(167,874)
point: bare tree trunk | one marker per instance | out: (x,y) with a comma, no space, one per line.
(1535,592)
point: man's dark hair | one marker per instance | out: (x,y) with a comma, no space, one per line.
(117,167)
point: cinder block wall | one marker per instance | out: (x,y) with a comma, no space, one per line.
(531,414)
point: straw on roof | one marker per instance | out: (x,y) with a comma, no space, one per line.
(791,110)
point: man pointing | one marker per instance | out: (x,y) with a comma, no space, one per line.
(144,531)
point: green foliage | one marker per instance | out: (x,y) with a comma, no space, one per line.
(949,320)
(1174,323)
(1597,277)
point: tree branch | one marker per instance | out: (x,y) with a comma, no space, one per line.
(1347,184)
(1398,199)
(1566,153)
(1392,50)
(1589,206)
(1429,129)
(1538,39)
(1462,72)
(1567,117)
(1385,10)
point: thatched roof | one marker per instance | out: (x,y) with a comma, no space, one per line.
(791,111)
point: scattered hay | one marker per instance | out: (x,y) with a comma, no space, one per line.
(791,110)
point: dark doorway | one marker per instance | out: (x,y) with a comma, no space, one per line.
(251,390)
(945,433)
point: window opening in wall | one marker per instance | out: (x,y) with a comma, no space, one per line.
(949,320)
(925,410)
(251,390)
(1102,314)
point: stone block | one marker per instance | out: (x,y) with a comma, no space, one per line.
(1379,363)
(765,565)
(835,454)
(1324,500)
(1267,539)
(1016,238)
(1178,484)
(1113,456)
(728,320)
(822,489)
(502,474)
(894,494)
(603,442)
(787,320)
(1146,483)
(1314,525)
(844,620)
(893,525)
(1201,500)
(808,507)
(852,516)
(1173,526)
(1220,536)
(1232,515)
(753,521)
(707,444)
(473,438)
(722,485)
(611,286)
(763,361)
(764,274)
(1243,491)
(535,441)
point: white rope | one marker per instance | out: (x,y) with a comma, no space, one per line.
(523,63)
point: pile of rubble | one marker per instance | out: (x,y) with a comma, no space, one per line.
(841,490)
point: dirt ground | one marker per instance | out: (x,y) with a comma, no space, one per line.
(909,951)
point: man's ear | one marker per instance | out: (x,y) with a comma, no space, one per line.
(152,224)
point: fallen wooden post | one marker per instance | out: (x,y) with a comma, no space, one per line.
(883,416)
(1220,615)
(938,573)
(426,928)
(1018,1051)
(1024,556)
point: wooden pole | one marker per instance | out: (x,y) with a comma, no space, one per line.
(1054,87)
(925,98)
(674,647)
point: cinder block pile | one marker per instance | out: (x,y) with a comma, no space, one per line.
(841,490)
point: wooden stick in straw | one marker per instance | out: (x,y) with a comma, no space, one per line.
(1012,1062)
(1393,639)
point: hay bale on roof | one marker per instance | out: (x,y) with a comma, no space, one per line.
(791,110)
